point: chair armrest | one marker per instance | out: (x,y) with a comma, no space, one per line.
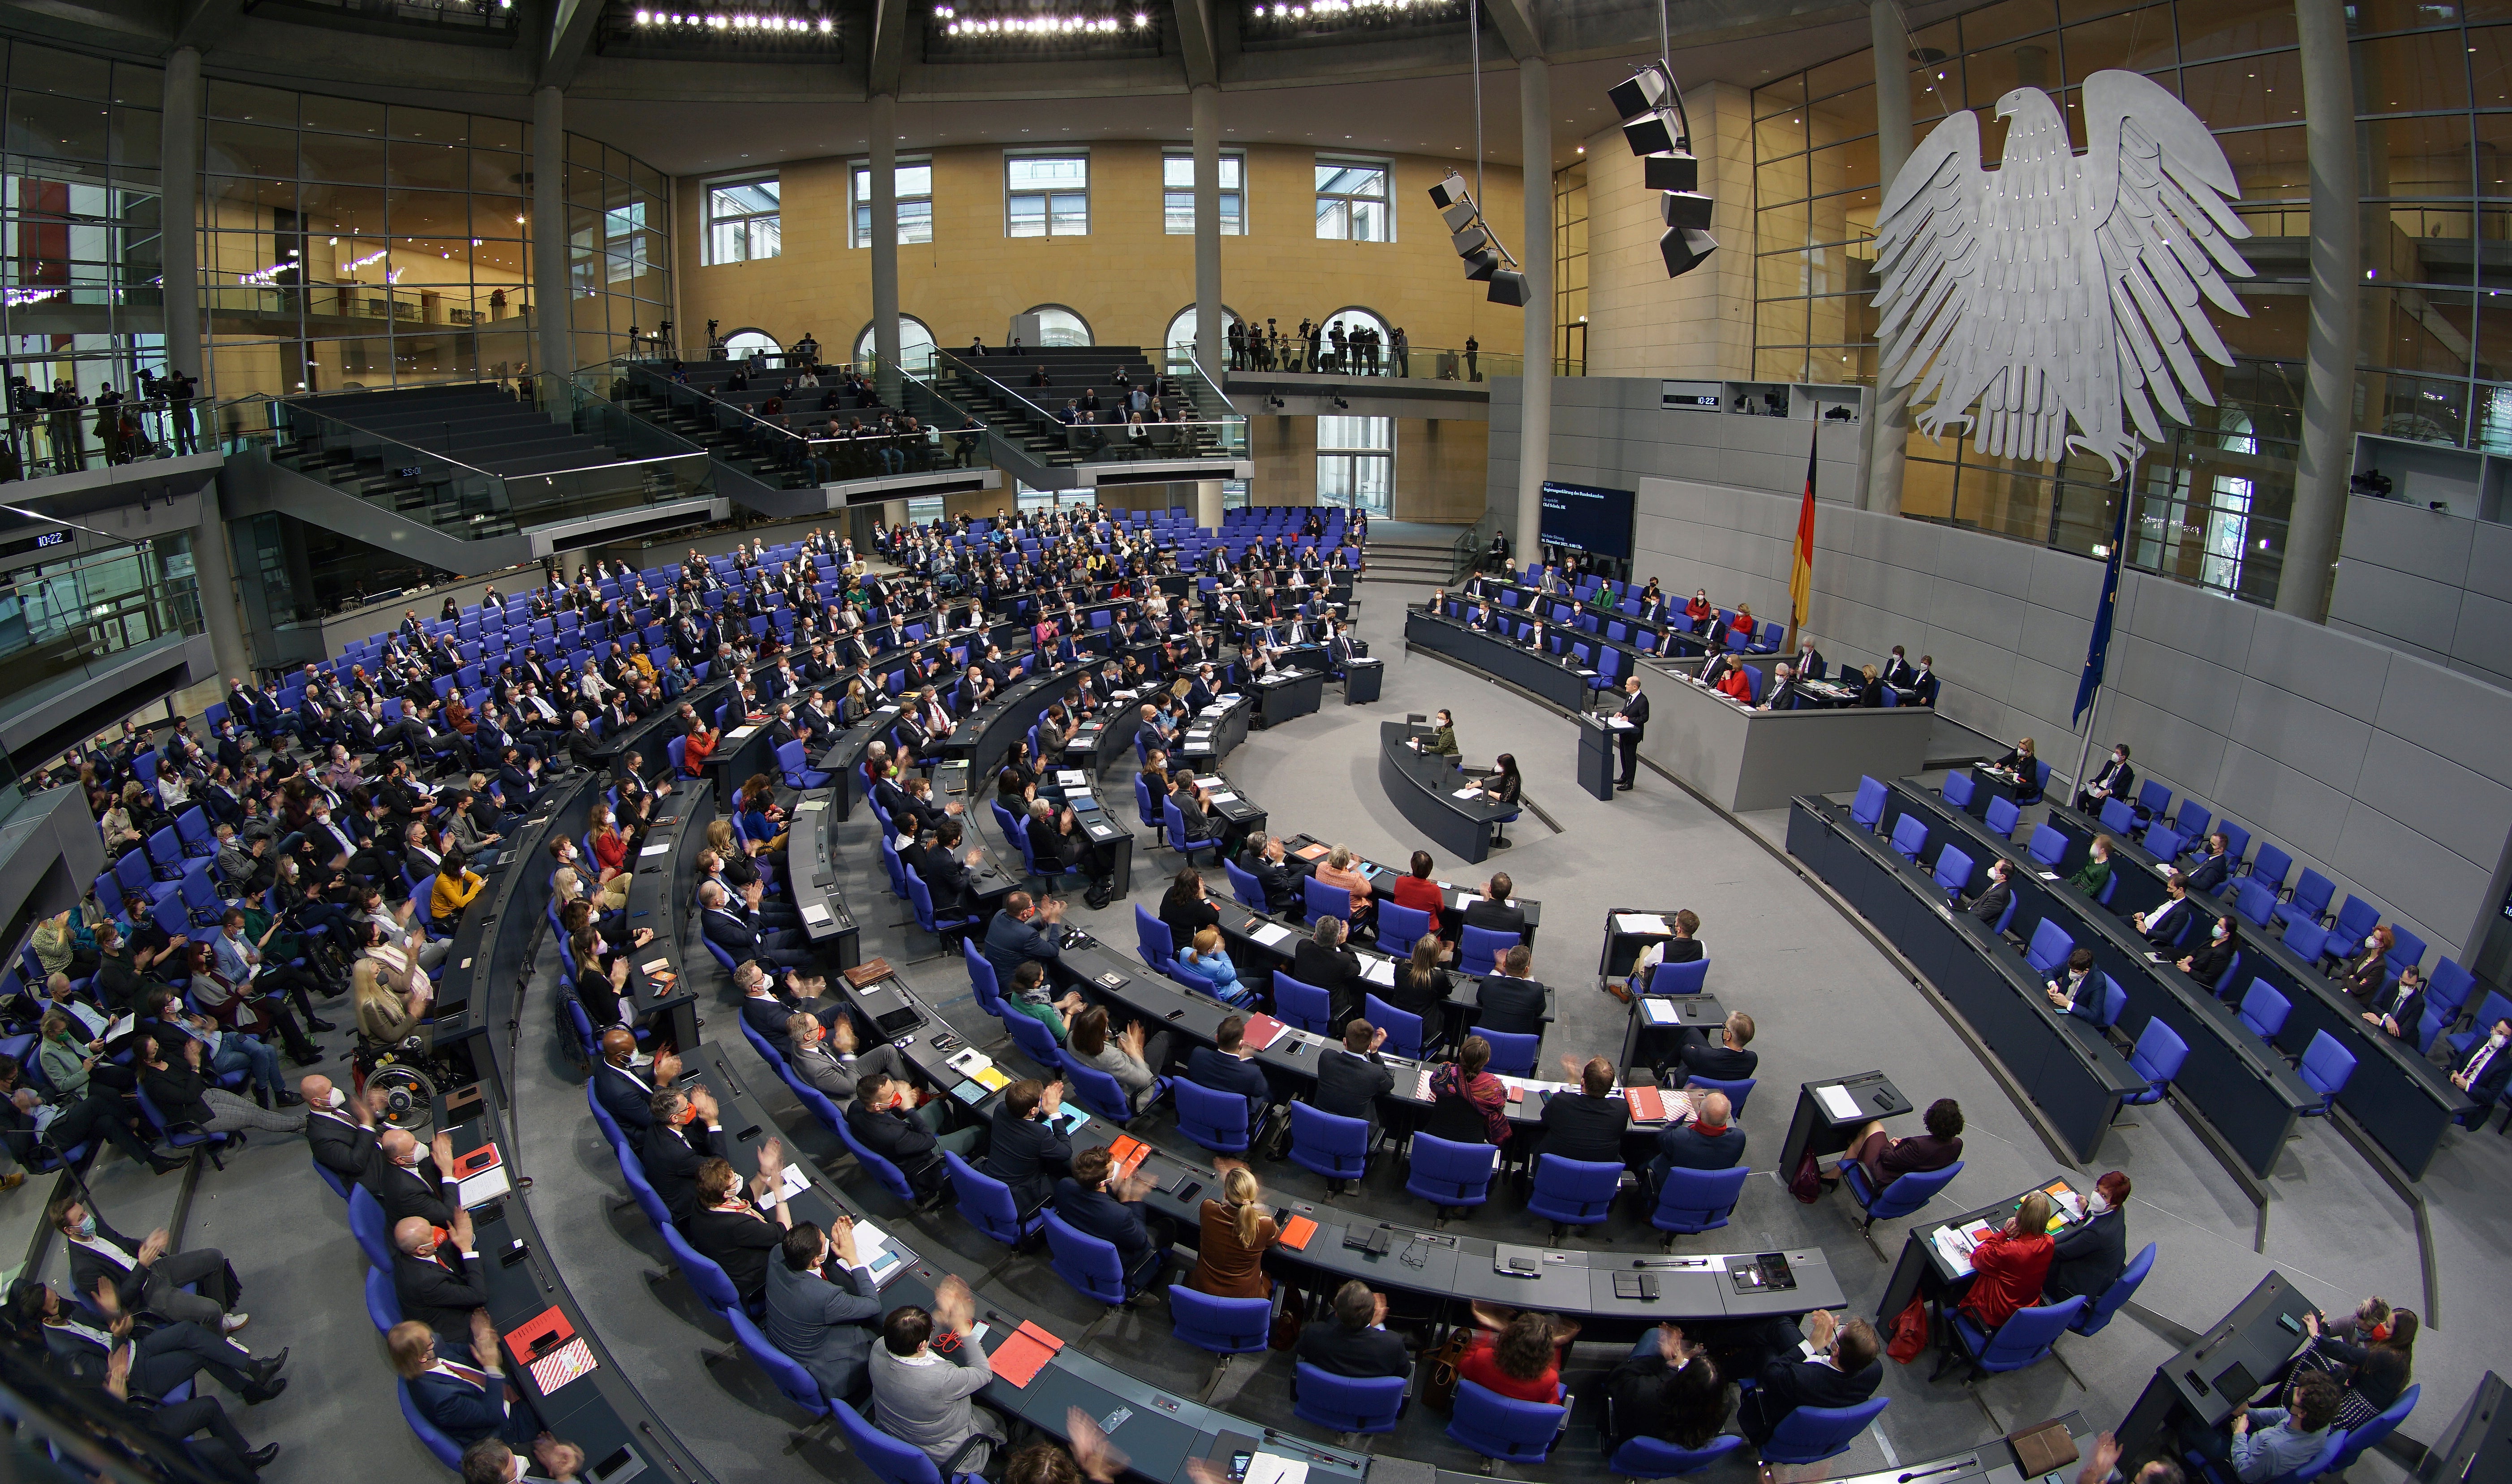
(961,1452)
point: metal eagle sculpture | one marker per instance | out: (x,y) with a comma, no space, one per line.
(2059,288)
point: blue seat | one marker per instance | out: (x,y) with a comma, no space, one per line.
(1737,1091)
(2023,1340)
(2048,846)
(1512,1054)
(2106,1304)
(1953,873)
(2114,1000)
(2362,1440)
(1325,901)
(1176,832)
(892,1178)
(1403,1027)
(2311,894)
(1689,977)
(988,1205)
(1223,1326)
(2271,867)
(1652,1458)
(2002,817)
(2118,817)
(188,1136)
(1399,926)
(2406,953)
(1911,836)
(2157,1058)
(1446,1173)
(942,927)
(436,1441)
(1302,1006)
(703,1274)
(1898,1200)
(982,981)
(1481,949)
(1244,888)
(1345,1404)
(1812,1434)
(2191,820)
(1217,1120)
(1035,1039)
(1100,1092)
(1092,1265)
(1867,810)
(1329,1145)
(2050,948)
(367,1225)
(2264,1010)
(2325,1068)
(795,1383)
(1154,941)
(1573,1192)
(2356,919)
(1694,1201)
(2255,903)
(1504,1428)
(895,1461)
(1960,788)
(384,1304)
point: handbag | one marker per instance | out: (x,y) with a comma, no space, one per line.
(1910,1331)
(1287,1327)
(1440,1392)
(1806,1184)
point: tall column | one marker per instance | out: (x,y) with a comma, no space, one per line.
(553,315)
(1888,419)
(1207,498)
(2336,273)
(214,576)
(178,208)
(885,243)
(1535,405)
(1205,108)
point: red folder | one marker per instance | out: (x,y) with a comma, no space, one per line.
(534,1337)
(1020,1359)
(1646,1105)
(1297,1232)
(1263,1031)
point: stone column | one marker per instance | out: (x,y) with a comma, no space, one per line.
(885,243)
(1888,417)
(1208,326)
(553,314)
(1207,500)
(214,573)
(178,208)
(2336,279)
(1535,415)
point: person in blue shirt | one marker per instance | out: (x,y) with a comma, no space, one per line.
(1205,960)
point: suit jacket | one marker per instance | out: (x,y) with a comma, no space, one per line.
(832,1079)
(1718,1063)
(1682,1146)
(900,1138)
(767,1015)
(341,1146)
(1636,710)
(1786,1385)
(463,1412)
(736,932)
(2497,1070)
(1023,1153)
(1512,1006)
(627,1095)
(2167,922)
(2116,776)
(740,1244)
(824,1323)
(2211,874)
(1118,1222)
(419,1191)
(1363,1353)
(2088,1258)
(1216,1069)
(1335,970)
(438,1293)
(113,1255)
(1498,917)
(1577,1127)
(1349,1087)
(672,1156)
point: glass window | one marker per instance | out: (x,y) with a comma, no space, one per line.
(743,223)
(1046,195)
(1351,201)
(1177,193)
(915,344)
(1180,335)
(913,181)
(1357,462)
(1059,325)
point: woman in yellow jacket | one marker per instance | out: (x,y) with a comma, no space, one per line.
(455,886)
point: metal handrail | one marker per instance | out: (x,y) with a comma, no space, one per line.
(302,404)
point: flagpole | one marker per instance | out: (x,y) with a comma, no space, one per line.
(2094,705)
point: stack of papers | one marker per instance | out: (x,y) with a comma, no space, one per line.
(665,848)
(1272,934)
(1470,790)
(1660,1010)
(1836,1101)
(1642,924)
(1267,1469)
(1379,971)
(790,1183)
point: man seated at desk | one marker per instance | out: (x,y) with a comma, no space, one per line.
(1511,1000)
(2214,867)
(886,1120)
(821,1313)
(1999,895)
(824,1054)
(1357,1344)
(2164,926)
(1726,1062)
(1263,859)
(1225,1066)
(1093,1203)
(1835,1365)
(1886,1158)
(1494,909)
(1353,1077)
(1585,1124)
(1709,1140)
(2076,991)
(2270,1442)
(1025,1151)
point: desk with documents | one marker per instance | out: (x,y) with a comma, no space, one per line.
(1545,676)
(662,894)
(842,760)
(1433,797)
(1829,1113)
(812,853)
(2222,1369)
(1935,1255)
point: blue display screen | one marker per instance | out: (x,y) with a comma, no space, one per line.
(1588,519)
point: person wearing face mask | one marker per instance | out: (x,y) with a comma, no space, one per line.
(2116,780)
(407,1181)
(2088,1258)
(2211,960)
(2096,873)
(145,1272)
(821,1305)
(174,1082)
(435,1279)
(2077,992)
(686,1132)
(465,1395)
(2487,1066)
(340,1131)
(826,1055)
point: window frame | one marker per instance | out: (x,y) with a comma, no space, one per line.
(708,189)
(1227,192)
(1386,168)
(1047,231)
(859,236)
(1350,457)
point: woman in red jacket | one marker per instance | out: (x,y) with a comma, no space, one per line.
(1743,622)
(609,847)
(1518,1356)
(1736,685)
(2010,1264)
(695,748)
(1700,613)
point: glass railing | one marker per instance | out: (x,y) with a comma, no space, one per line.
(71,440)
(921,397)
(64,621)
(1421,363)
(1199,437)
(800,452)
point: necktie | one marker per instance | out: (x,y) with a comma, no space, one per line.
(477,1377)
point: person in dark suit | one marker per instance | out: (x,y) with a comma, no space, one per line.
(2484,1071)
(1994,899)
(1708,1141)
(1263,858)
(2398,1008)
(407,1183)
(728,1228)
(432,1276)
(2088,1258)
(1839,1365)
(626,1091)
(1024,1149)
(1494,909)
(340,1132)
(1783,695)
(2114,781)
(2208,962)
(1091,1201)
(1226,1067)
(1887,1158)
(822,1312)
(1352,1078)
(1728,1061)
(1325,960)
(1511,1000)
(1635,711)
(465,1398)
(2216,866)
(1809,659)
(1685,946)
(885,1119)
(682,1136)
(2077,991)
(2164,926)
(743,935)
(1587,1124)
(1358,1342)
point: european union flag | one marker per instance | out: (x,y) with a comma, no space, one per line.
(2100,645)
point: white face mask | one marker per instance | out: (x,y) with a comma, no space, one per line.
(2096,1203)
(339,1099)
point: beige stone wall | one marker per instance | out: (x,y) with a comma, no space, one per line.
(1639,321)
(1440,472)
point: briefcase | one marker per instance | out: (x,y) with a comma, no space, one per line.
(870,971)
(2042,1449)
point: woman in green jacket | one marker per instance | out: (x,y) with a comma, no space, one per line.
(2096,874)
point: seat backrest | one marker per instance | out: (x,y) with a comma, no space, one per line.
(2049,844)
(2051,946)
(2325,1065)
(1399,926)
(703,1273)
(1350,1403)
(1481,948)
(891,1460)
(2123,1288)
(1153,937)
(1698,1199)
(1577,1182)
(2114,1000)
(1325,901)
(1033,1038)
(1244,888)
(2406,953)
(2153,798)
(2451,984)
(2312,892)
(1486,1419)
(1809,1434)
(1304,1006)
(2165,845)
(2264,1010)
(986,1201)
(2308,939)
(2028,1333)
(367,1224)
(1403,1028)
(384,1304)
(2272,866)
(1910,1192)
(1512,1055)
(1688,977)
(2253,901)
(1089,1262)
(2356,919)
(1331,1134)
(2117,817)
(1953,871)
(1958,787)
(1737,1090)
(437,1443)
(2003,814)
(1210,1116)
(1459,1171)
(2361,1440)
(1223,1326)
(2159,1053)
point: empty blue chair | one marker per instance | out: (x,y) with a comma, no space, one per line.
(1325,901)
(2264,1010)
(1686,978)
(2157,1058)
(795,1383)
(2050,948)
(384,1304)
(1653,1457)
(1402,1027)
(1400,927)
(2326,1066)
(1217,1120)
(1153,939)
(896,1461)
(2450,986)
(1329,1145)
(1898,1200)
(1911,836)
(1479,949)
(2024,1339)
(1447,1174)
(1223,1326)
(2002,817)
(2153,800)
(2118,817)
(982,980)
(2271,867)
(1503,1427)
(2255,903)
(1573,1192)
(1867,810)
(1302,1006)
(1092,1266)
(1346,1404)
(1694,1201)
(1737,1091)
(2123,1288)
(2167,845)
(988,1205)
(2191,820)
(2048,846)
(1953,873)
(1812,1434)
(1512,1054)
(797,770)
(2311,894)
(1959,787)
(2406,953)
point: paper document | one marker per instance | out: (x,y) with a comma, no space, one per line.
(1470,790)
(790,1183)
(740,732)
(1072,778)
(1224,797)
(872,1248)
(1836,1101)
(1956,1252)
(815,915)
(1266,1468)
(1659,1009)
(1379,971)
(1642,923)
(1618,723)
(664,848)
(1272,934)
(487,1185)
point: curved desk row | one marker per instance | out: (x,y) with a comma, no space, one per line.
(2400,1100)
(602,1411)
(1742,759)
(1546,676)
(2236,1082)
(1426,789)
(2060,1060)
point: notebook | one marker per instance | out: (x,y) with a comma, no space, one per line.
(1023,1353)
(1126,1155)
(1646,1105)
(1296,1233)
(1263,1031)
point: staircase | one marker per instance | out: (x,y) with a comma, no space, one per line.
(996,387)
(1410,552)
